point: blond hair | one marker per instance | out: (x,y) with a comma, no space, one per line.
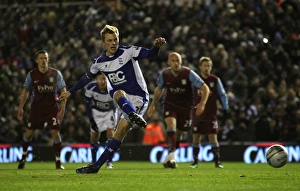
(109,29)
(205,59)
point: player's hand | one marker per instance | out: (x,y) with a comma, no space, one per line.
(94,125)
(158,42)
(199,109)
(20,114)
(64,95)
(150,111)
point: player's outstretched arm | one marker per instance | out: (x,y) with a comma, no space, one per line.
(154,51)
(84,80)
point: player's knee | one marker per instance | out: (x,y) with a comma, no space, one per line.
(55,134)
(213,138)
(118,94)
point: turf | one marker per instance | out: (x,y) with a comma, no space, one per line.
(144,176)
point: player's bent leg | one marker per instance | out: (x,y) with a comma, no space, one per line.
(127,107)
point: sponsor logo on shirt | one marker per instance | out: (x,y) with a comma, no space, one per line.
(45,88)
(177,90)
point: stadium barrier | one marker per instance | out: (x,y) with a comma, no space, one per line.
(80,153)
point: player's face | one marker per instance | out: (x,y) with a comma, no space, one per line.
(42,60)
(101,81)
(111,44)
(175,62)
(205,68)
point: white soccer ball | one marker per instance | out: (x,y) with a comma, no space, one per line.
(277,156)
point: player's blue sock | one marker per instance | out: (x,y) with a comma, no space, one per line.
(110,159)
(109,151)
(125,105)
(94,149)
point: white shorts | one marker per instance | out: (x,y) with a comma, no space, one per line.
(105,120)
(137,102)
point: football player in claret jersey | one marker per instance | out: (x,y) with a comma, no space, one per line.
(102,114)
(46,109)
(178,82)
(207,124)
(126,85)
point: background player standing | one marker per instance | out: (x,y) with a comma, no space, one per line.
(178,82)
(207,124)
(45,111)
(126,86)
(102,113)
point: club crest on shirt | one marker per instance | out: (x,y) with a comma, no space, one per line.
(51,79)
(183,82)
(211,84)
(167,113)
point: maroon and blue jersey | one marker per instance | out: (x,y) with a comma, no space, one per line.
(178,100)
(179,89)
(216,92)
(45,87)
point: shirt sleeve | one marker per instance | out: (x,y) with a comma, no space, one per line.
(28,82)
(160,81)
(60,80)
(222,94)
(84,80)
(88,92)
(147,53)
(195,79)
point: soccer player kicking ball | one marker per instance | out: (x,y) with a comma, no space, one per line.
(178,82)
(207,124)
(126,85)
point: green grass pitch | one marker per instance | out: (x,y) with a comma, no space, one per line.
(144,176)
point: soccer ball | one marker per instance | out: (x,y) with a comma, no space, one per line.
(277,156)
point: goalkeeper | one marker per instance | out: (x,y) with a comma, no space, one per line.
(102,114)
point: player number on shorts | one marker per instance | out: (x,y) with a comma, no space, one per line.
(55,122)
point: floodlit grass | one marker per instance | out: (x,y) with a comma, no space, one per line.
(144,176)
